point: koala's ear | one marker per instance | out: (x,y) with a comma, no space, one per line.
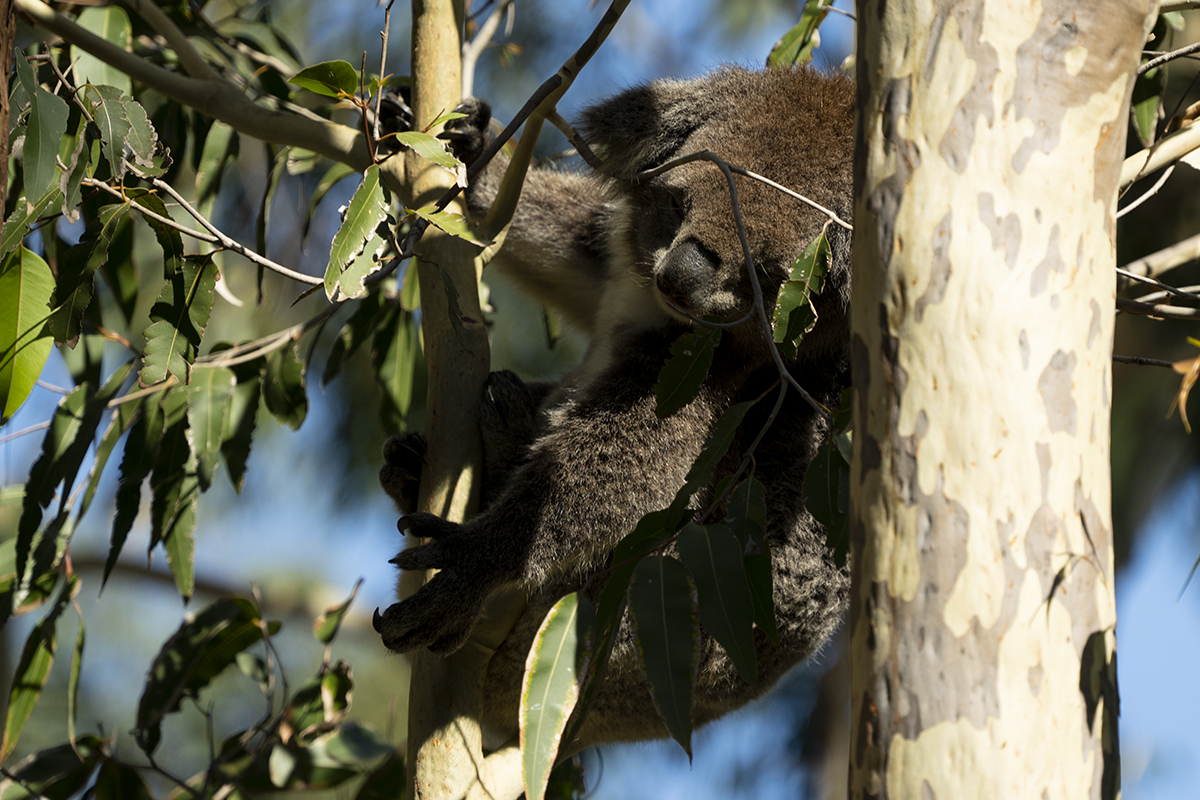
(646,126)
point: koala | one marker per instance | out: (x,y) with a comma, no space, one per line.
(633,262)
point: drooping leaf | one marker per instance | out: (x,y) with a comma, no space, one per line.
(178,321)
(797,44)
(117,781)
(367,210)
(209,398)
(76,154)
(33,669)
(283,387)
(277,158)
(371,310)
(745,515)
(550,687)
(112,24)
(73,680)
(175,489)
(169,239)
(1146,104)
(680,378)
(203,647)
(243,414)
(713,556)
(662,602)
(44,130)
(106,106)
(141,451)
(76,273)
(325,627)
(219,146)
(1189,368)
(26,287)
(328,78)
(396,354)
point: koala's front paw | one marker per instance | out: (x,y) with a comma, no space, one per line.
(442,613)
(468,135)
(400,475)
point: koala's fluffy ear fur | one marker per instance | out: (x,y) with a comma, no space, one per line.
(646,126)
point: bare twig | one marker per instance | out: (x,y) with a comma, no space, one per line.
(1177,5)
(1142,362)
(1156,310)
(41,426)
(1154,297)
(1166,259)
(1183,293)
(1171,56)
(387,27)
(1166,150)
(1153,190)
(472,50)
(578,142)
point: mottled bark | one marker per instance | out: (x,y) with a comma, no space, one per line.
(983,644)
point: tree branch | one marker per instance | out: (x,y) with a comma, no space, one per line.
(1166,259)
(1166,150)
(212,97)
(189,58)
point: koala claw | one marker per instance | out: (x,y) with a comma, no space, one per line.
(439,616)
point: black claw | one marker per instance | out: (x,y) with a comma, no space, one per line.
(402,526)
(377,621)
(396,559)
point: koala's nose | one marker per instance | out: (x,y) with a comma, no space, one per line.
(686,275)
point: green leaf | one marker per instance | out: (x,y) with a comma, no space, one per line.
(350,745)
(329,78)
(219,146)
(73,680)
(662,602)
(141,450)
(1146,104)
(410,292)
(745,515)
(705,465)
(371,310)
(448,221)
(280,766)
(277,158)
(243,414)
(283,387)
(44,130)
(209,398)
(17,226)
(26,286)
(33,669)
(713,556)
(76,154)
(827,497)
(357,236)
(431,149)
(112,24)
(797,44)
(178,321)
(794,314)
(57,773)
(680,378)
(550,687)
(108,112)
(320,703)
(77,269)
(201,649)
(117,781)
(397,359)
(175,489)
(325,627)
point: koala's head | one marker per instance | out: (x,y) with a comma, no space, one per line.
(678,232)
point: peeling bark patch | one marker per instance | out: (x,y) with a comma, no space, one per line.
(1005,232)
(1051,263)
(1023,344)
(1094,326)
(1055,388)
(956,143)
(939,274)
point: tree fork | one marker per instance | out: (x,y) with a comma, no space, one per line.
(983,620)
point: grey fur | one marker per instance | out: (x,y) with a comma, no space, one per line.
(567,479)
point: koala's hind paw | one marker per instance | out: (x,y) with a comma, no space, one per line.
(439,616)
(400,475)
(467,135)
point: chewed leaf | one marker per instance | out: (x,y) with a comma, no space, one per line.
(358,236)
(795,314)
(329,78)
(797,44)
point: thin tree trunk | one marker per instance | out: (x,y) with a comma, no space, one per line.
(983,620)
(445,755)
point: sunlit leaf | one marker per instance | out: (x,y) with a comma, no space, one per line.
(112,24)
(680,378)
(178,321)
(209,396)
(26,287)
(357,235)
(797,44)
(329,78)
(794,314)
(550,687)
(432,149)
(662,602)
(450,222)
(1189,368)
(325,627)
(203,647)
(17,226)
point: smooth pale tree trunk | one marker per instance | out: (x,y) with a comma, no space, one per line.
(983,621)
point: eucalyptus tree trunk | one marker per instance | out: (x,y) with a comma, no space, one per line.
(983,622)
(445,757)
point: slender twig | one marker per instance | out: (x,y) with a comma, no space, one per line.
(1153,190)
(1177,5)
(51,387)
(1142,362)
(1171,56)
(387,27)
(161,386)
(1166,259)
(1166,150)
(41,426)
(577,141)
(838,220)
(1186,295)
(472,50)
(1154,297)
(1156,310)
